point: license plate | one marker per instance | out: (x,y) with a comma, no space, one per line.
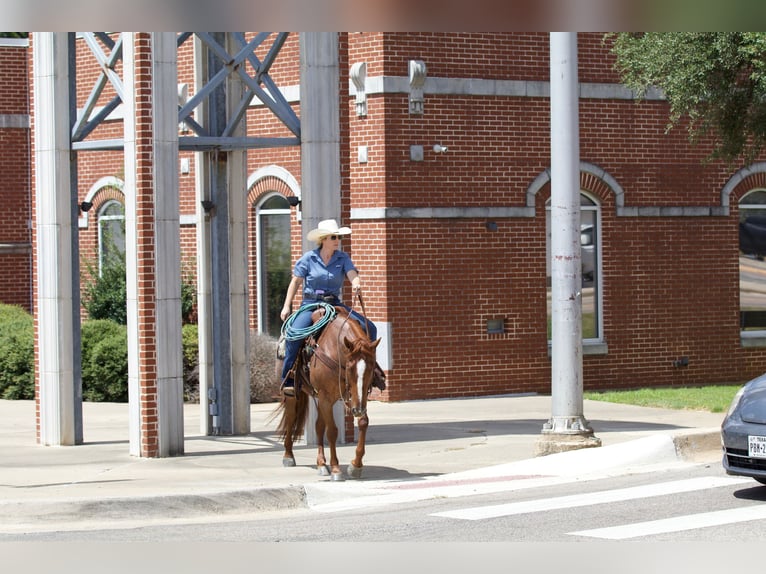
(756,446)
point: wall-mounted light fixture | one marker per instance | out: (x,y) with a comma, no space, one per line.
(207,205)
(359,77)
(417,77)
(85,206)
(439,148)
(294,200)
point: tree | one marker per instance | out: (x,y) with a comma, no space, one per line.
(715,80)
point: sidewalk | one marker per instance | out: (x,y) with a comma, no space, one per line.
(419,443)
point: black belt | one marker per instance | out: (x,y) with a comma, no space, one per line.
(325,298)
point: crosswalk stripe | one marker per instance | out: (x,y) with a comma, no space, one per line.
(677,524)
(590,498)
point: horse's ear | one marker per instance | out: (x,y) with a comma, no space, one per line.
(349,344)
(376,343)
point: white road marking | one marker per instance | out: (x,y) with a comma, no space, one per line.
(590,498)
(677,524)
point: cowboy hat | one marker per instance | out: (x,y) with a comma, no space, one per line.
(325,228)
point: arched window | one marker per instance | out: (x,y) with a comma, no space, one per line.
(752,268)
(111,234)
(273,260)
(590,245)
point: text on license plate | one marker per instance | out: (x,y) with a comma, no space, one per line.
(756,446)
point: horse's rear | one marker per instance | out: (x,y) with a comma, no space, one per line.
(340,368)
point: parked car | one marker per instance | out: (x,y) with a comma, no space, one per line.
(743,432)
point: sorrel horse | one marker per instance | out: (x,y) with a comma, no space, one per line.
(340,367)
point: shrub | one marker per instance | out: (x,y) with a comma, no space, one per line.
(190,343)
(264,382)
(105,295)
(17,361)
(104,361)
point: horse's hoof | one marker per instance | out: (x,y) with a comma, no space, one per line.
(337,477)
(287,461)
(323,470)
(354,471)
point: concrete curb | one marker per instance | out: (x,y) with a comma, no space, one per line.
(154,507)
(702,445)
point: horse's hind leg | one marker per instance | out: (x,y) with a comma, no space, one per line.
(355,468)
(290,414)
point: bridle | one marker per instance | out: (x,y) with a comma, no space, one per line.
(344,389)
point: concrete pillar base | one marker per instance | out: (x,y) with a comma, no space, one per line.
(551,443)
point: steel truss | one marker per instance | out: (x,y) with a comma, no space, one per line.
(259,85)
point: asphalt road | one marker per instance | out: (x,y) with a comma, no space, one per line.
(691,503)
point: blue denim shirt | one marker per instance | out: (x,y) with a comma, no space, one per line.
(320,279)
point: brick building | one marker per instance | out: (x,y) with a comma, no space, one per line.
(15,219)
(452,244)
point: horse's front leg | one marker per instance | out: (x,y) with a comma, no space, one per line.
(355,468)
(321,460)
(332,438)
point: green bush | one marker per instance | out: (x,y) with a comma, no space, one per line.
(104,361)
(190,343)
(17,360)
(104,296)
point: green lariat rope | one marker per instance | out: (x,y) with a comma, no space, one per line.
(292,334)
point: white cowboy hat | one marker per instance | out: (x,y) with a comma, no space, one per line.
(325,228)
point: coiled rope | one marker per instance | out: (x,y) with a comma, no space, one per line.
(291,333)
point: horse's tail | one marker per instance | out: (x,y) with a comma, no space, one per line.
(293,424)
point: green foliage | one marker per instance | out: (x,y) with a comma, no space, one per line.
(190,344)
(716,80)
(713,398)
(105,295)
(17,360)
(104,361)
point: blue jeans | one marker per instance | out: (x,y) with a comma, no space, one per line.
(302,320)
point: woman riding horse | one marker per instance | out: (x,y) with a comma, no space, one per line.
(322,272)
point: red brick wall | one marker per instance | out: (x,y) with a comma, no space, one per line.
(15,157)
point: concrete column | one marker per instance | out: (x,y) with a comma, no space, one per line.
(59,395)
(567,428)
(152,232)
(320,154)
(320,130)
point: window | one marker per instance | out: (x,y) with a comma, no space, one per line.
(752,268)
(273,260)
(590,242)
(111,234)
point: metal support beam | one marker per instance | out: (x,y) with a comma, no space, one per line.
(226,321)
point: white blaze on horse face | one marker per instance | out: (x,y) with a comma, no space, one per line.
(360,368)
